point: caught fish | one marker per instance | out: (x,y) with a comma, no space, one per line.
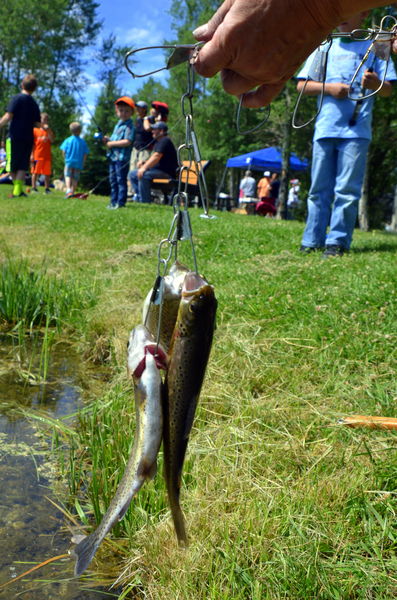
(189,352)
(145,359)
(171,297)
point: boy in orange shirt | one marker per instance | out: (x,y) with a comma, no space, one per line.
(43,138)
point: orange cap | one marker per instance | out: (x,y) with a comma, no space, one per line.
(126,100)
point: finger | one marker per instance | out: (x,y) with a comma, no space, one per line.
(263,95)
(205,32)
(211,58)
(236,84)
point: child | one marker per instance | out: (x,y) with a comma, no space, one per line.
(340,143)
(120,146)
(43,138)
(23,114)
(75,152)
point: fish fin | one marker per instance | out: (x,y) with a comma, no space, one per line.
(84,553)
(76,539)
(124,508)
(179,523)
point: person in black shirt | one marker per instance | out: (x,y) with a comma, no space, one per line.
(23,114)
(143,141)
(162,164)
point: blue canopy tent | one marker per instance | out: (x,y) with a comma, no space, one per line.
(267,158)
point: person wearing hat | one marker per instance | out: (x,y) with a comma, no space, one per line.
(162,164)
(119,146)
(161,111)
(143,141)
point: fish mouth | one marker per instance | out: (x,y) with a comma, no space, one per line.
(194,283)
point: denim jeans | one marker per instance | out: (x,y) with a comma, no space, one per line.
(118,172)
(142,186)
(338,167)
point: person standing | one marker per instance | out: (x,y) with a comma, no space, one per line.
(43,138)
(247,188)
(23,114)
(143,140)
(75,152)
(340,142)
(266,205)
(119,145)
(162,164)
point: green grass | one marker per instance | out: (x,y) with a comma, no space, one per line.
(281,503)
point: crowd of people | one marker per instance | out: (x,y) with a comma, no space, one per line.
(138,150)
(261,197)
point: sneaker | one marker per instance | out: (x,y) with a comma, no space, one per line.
(333,250)
(46,191)
(307,249)
(34,190)
(21,195)
(112,207)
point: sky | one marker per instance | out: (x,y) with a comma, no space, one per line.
(135,24)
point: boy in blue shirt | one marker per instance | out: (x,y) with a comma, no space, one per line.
(119,145)
(341,138)
(75,151)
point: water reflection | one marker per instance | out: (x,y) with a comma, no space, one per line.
(31,528)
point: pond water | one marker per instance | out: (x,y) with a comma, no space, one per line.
(32,529)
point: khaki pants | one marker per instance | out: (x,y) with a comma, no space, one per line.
(136,156)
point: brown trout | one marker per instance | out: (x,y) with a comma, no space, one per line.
(188,357)
(172,295)
(144,360)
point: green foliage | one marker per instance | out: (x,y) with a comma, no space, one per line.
(31,298)
(46,38)
(110,59)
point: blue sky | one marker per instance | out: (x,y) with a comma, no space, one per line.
(134,24)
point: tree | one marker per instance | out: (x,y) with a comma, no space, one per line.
(110,58)
(51,46)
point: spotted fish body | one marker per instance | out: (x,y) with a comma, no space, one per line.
(188,357)
(143,364)
(171,297)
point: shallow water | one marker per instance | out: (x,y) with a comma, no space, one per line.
(31,528)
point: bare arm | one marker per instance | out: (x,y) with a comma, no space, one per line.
(151,162)
(117,143)
(314,88)
(6,118)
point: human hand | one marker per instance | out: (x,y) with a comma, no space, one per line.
(140,172)
(257,43)
(337,90)
(370,80)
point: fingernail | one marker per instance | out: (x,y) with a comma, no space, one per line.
(200,31)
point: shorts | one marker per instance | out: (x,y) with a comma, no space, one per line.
(20,155)
(72,172)
(42,166)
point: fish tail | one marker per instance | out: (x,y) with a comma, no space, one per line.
(84,553)
(179,522)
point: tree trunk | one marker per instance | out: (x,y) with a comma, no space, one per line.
(363,204)
(282,209)
(393,222)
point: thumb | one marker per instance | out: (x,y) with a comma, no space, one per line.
(205,32)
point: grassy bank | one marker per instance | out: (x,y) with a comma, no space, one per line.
(280,502)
